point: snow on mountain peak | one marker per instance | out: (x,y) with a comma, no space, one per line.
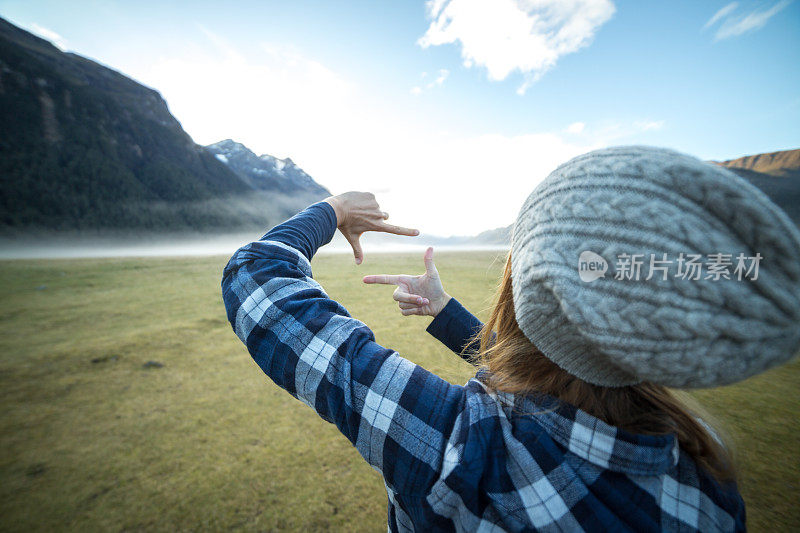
(229,147)
(264,172)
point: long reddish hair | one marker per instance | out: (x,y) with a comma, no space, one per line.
(516,366)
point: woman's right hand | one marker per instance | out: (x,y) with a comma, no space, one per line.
(416,295)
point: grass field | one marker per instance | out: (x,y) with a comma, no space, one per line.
(93,439)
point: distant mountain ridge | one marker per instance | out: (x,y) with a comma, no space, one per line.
(785,162)
(264,172)
(777,174)
(84,147)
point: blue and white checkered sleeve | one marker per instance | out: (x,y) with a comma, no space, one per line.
(455,327)
(397,414)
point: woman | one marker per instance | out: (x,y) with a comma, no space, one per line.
(567,425)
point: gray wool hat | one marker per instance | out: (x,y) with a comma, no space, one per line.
(634,264)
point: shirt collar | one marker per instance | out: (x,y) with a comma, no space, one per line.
(593,440)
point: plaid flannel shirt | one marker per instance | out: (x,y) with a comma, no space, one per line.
(452,457)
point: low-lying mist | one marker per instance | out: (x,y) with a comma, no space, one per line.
(65,246)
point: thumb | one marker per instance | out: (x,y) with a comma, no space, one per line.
(430,267)
(358,253)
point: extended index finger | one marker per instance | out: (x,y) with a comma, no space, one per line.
(397,230)
(383,279)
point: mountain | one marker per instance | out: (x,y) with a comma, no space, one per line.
(777,174)
(83,147)
(784,163)
(497,236)
(265,172)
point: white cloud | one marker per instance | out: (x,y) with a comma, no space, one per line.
(50,35)
(734,24)
(575,127)
(436,82)
(610,133)
(618,132)
(723,12)
(505,36)
(648,125)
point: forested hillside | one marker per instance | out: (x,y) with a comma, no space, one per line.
(85,147)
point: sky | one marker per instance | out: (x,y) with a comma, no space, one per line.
(451,111)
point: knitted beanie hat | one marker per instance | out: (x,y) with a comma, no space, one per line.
(634,264)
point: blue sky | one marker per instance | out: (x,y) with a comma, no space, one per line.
(472,102)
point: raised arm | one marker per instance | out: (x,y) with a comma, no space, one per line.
(424,295)
(394,412)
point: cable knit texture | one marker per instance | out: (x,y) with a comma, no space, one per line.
(676,332)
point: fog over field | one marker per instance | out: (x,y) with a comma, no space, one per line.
(50,247)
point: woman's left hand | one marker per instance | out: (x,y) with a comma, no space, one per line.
(358,212)
(416,295)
